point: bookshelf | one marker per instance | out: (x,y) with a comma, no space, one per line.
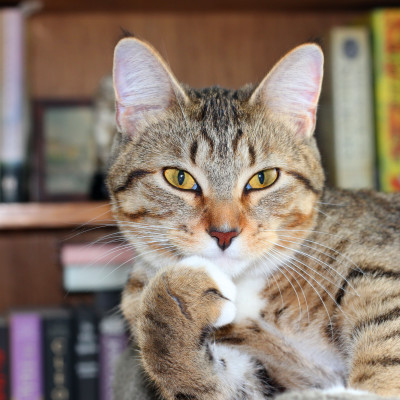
(36,216)
(70,46)
(31,235)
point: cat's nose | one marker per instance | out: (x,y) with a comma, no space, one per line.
(224,239)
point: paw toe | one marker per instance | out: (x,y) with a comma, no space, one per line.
(223,281)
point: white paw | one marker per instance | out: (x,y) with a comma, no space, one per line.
(224,284)
(339,390)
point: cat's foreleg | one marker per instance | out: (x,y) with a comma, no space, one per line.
(178,312)
(370,324)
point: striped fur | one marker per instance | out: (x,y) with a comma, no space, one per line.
(316,271)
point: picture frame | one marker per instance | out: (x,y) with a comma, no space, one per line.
(64,151)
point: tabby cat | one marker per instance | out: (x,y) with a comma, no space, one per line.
(252,278)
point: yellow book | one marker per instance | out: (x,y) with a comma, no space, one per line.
(386,46)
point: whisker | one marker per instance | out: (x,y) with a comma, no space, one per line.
(317,260)
(283,265)
(315,290)
(355,266)
(290,282)
(319,284)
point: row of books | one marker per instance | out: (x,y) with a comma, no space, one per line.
(59,354)
(359,116)
(69,353)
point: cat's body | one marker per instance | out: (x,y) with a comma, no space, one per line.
(242,292)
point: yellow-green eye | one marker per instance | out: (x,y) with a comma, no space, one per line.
(263,179)
(180,179)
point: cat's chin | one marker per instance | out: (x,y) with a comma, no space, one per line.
(233,267)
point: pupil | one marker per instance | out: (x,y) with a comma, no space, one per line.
(181,177)
(261,177)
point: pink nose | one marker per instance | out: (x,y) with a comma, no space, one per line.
(224,238)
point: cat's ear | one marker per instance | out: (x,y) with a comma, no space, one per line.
(293,86)
(144,85)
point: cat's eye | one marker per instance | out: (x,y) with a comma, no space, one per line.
(263,179)
(180,179)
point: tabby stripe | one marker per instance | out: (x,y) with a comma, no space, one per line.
(176,299)
(391,335)
(305,181)
(184,396)
(369,272)
(354,273)
(384,362)
(279,312)
(363,377)
(378,320)
(269,386)
(236,139)
(207,138)
(146,213)
(134,175)
(252,155)
(193,151)
(231,340)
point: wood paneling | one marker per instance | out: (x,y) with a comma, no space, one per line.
(69,53)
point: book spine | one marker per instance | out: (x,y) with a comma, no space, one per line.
(4,362)
(86,355)
(113,341)
(58,360)
(350,130)
(26,356)
(385,24)
(13,103)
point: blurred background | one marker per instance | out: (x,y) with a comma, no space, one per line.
(59,246)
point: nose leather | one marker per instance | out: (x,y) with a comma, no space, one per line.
(224,239)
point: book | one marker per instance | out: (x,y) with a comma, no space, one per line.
(13,104)
(26,356)
(86,353)
(385,31)
(345,129)
(113,341)
(95,267)
(4,361)
(58,355)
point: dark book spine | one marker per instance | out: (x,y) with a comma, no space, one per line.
(86,351)
(58,358)
(4,362)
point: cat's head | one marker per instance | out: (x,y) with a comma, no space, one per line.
(233,176)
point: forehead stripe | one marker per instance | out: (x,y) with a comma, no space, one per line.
(193,151)
(132,177)
(305,181)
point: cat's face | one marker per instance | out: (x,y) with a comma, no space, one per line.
(230,176)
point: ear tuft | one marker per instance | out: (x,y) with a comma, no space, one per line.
(144,86)
(293,86)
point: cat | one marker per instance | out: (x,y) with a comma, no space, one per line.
(252,278)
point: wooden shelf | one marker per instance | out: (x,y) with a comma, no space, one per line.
(205,5)
(54,215)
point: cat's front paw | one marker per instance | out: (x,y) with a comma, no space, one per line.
(218,283)
(194,292)
(179,309)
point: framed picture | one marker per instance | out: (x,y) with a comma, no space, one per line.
(64,150)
